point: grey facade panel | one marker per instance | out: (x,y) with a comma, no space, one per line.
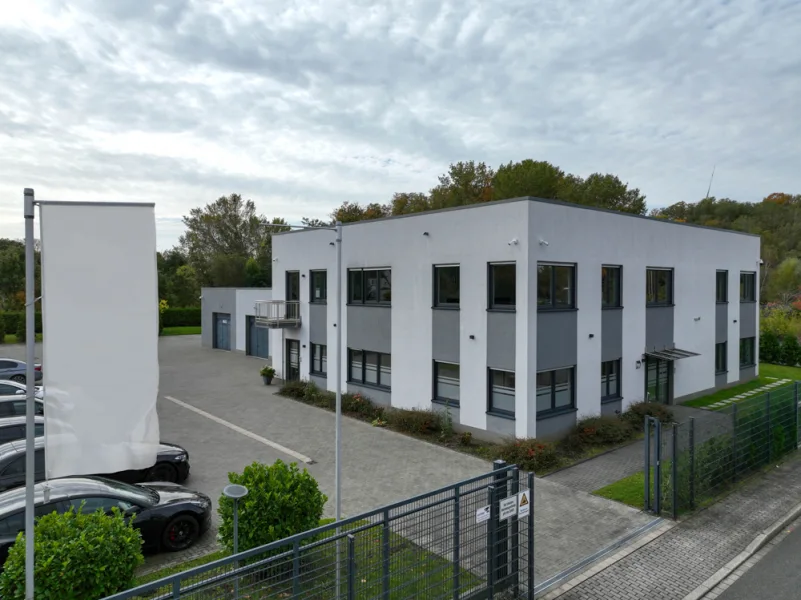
(370,328)
(556,339)
(557,427)
(445,339)
(216,300)
(501,426)
(720,381)
(320,382)
(318,323)
(380,397)
(748,319)
(611,334)
(658,327)
(747,374)
(501,341)
(610,409)
(721,323)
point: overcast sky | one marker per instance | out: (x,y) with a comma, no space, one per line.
(302,105)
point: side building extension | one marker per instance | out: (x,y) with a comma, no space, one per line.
(228,320)
(521,315)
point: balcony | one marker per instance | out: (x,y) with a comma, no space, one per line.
(278,314)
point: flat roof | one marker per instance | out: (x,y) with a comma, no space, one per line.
(530,199)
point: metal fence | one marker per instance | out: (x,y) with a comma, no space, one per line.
(687,464)
(474,539)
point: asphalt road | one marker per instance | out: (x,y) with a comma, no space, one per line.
(776,577)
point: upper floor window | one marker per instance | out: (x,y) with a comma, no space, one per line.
(502,281)
(722,286)
(555,286)
(446,286)
(747,287)
(659,287)
(319,286)
(293,285)
(610,286)
(369,286)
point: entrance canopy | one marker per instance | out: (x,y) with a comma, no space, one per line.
(671,354)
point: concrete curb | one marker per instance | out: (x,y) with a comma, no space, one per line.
(755,546)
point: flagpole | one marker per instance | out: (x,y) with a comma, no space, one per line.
(30,404)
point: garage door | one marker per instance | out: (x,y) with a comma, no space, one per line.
(258,338)
(222,331)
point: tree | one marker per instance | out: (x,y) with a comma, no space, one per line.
(785,281)
(408,203)
(603,191)
(184,287)
(314,222)
(527,178)
(350,212)
(464,183)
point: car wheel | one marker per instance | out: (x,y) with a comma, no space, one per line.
(180,533)
(162,472)
(18,378)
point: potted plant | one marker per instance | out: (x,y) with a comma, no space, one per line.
(267,373)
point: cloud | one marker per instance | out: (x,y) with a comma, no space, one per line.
(302,105)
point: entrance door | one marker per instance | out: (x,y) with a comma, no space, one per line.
(222,331)
(258,337)
(658,380)
(292,360)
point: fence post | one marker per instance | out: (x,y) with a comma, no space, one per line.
(351,567)
(501,527)
(457,526)
(674,475)
(692,463)
(770,430)
(795,411)
(647,470)
(734,443)
(385,556)
(515,489)
(531,581)
(296,568)
(658,468)
(491,542)
(176,587)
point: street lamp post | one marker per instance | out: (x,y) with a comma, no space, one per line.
(236,492)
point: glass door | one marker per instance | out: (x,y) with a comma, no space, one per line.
(292,360)
(658,380)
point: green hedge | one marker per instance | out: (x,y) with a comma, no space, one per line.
(172,317)
(779,350)
(12,319)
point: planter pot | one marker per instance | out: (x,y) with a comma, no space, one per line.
(267,380)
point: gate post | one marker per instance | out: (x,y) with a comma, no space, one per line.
(658,468)
(674,475)
(734,442)
(692,463)
(501,527)
(531,513)
(456,540)
(770,430)
(351,567)
(491,542)
(647,470)
(385,556)
(515,489)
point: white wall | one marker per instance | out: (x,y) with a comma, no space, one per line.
(246,299)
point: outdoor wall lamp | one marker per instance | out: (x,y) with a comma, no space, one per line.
(592,335)
(425,233)
(639,364)
(697,319)
(543,242)
(514,242)
(472,337)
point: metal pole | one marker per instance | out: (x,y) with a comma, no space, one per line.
(531,578)
(647,470)
(457,524)
(658,469)
(491,542)
(769,440)
(674,472)
(236,546)
(338,417)
(30,406)
(795,409)
(692,463)
(515,536)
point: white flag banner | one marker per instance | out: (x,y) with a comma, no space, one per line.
(100,337)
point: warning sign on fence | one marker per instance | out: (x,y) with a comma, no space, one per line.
(508,507)
(524,503)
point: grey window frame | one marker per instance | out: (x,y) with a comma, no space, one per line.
(492,303)
(491,409)
(752,340)
(438,301)
(655,270)
(724,368)
(607,396)
(553,410)
(361,299)
(436,397)
(724,298)
(288,275)
(552,286)
(745,288)
(616,288)
(313,274)
(363,381)
(314,361)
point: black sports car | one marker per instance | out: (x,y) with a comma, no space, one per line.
(172,465)
(170,516)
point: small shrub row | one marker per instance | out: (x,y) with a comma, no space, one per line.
(635,414)
(181,317)
(11,321)
(779,349)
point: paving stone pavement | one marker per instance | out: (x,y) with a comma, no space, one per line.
(674,564)
(602,470)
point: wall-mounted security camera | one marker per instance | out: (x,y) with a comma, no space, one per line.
(543,242)
(513,242)
(761,262)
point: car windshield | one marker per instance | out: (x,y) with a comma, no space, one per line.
(141,495)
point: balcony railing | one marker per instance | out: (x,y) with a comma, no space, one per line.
(278,313)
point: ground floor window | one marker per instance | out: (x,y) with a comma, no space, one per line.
(720,357)
(446,383)
(610,380)
(747,353)
(319,362)
(502,392)
(555,391)
(370,368)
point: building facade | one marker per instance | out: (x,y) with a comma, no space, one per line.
(520,316)
(228,320)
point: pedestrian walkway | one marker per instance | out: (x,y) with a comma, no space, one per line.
(757,392)
(602,470)
(672,565)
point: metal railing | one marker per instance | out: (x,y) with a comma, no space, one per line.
(460,541)
(277,313)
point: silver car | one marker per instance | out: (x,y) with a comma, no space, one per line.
(15,388)
(14,370)
(14,406)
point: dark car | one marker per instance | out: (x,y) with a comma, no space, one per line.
(14,370)
(13,406)
(172,465)
(170,516)
(14,428)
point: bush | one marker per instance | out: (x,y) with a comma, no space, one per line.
(359,406)
(282,501)
(791,351)
(293,389)
(417,421)
(78,557)
(10,320)
(530,454)
(770,348)
(181,317)
(599,431)
(2,330)
(636,413)
(21,331)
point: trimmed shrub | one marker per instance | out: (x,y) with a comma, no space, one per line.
(78,557)
(791,351)
(11,320)
(530,454)
(282,500)
(20,331)
(294,389)
(636,413)
(770,348)
(181,317)
(599,431)
(359,406)
(417,421)
(2,330)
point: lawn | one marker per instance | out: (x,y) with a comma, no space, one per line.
(12,339)
(630,490)
(181,331)
(765,371)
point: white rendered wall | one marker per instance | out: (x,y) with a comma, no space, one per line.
(246,299)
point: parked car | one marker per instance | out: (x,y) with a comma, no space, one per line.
(172,465)
(14,370)
(170,517)
(16,405)
(13,428)
(14,388)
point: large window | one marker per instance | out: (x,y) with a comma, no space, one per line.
(659,287)
(502,392)
(502,289)
(370,368)
(446,286)
(610,380)
(747,287)
(720,357)
(555,286)
(555,392)
(610,287)
(369,286)
(293,285)
(446,383)
(747,353)
(722,286)
(319,286)
(319,362)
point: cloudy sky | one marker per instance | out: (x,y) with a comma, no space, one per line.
(302,105)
